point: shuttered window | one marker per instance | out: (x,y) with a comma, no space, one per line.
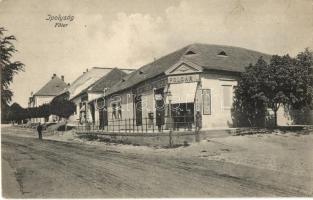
(206,95)
(227,92)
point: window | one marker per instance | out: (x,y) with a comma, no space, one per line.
(138,107)
(222,53)
(190,53)
(227,93)
(206,97)
(119,110)
(116,111)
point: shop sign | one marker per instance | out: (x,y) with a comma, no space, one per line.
(151,85)
(184,78)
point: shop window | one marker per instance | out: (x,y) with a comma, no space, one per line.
(227,93)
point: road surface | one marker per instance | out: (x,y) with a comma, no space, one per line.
(46,169)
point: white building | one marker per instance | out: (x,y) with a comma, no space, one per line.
(46,94)
(79,94)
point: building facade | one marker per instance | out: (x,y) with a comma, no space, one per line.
(44,96)
(199,78)
(85,89)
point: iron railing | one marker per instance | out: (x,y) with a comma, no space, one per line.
(130,125)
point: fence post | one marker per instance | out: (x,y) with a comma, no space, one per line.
(119,126)
(152,125)
(125,125)
(146,124)
(129,125)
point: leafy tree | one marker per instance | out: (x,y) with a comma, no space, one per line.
(8,69)
(303,80)
(285,81)
(44,111)
(62,108)
(249,105)
(301,109)
(16,113)
(278,84)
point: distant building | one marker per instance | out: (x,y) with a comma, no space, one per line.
(90,109)
(80,91)
(47,93)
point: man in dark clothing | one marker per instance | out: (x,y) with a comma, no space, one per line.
(159,120)
(198,122)
(189,119)
(39,130)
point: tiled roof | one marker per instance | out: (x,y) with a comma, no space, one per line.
(86,80)
(107,81)
(207,56)
(235,58)
(52,88)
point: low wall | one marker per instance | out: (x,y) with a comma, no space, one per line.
(155,139)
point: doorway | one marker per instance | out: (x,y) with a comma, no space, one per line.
(183,115)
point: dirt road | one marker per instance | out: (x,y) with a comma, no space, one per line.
(45,169)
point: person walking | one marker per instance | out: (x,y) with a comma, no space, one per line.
(189,119)
(198,122)
(159,121)
(39,130)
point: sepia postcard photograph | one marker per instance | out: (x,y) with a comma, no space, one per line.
(156,98)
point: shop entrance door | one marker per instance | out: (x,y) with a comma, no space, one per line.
(103,118)
(183,116)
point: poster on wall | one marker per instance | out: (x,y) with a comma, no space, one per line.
(206,95)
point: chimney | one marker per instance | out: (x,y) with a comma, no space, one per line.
(62,77)
(54,75)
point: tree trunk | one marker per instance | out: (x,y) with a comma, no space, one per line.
(275,109)
(65,126)
(275,118)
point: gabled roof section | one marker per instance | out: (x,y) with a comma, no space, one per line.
(52,88)
(205,56)
(184,66)
(225,58)
(107,81)
(87,79)
(150,70)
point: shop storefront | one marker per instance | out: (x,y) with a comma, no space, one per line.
(170,92)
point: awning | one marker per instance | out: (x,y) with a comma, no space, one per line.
(183,92)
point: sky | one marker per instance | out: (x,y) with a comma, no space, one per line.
(129,34)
